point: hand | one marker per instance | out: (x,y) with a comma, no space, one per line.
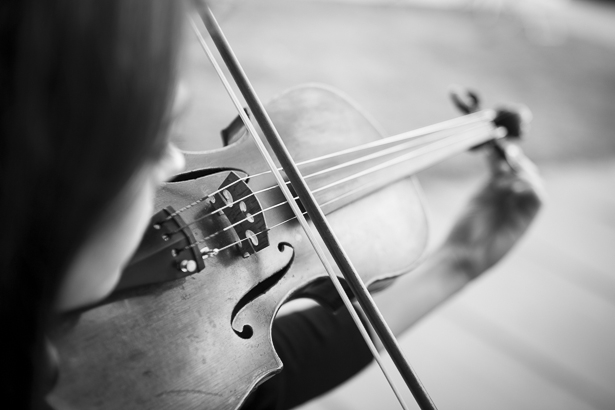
(498,215)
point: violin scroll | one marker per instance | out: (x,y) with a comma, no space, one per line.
(513,118)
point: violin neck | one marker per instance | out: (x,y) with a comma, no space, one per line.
(342,177)
(430,145)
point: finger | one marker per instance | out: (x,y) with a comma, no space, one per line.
(510,158)
(496,160)
(525,169)
(512,171)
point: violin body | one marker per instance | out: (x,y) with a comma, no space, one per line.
(204,341)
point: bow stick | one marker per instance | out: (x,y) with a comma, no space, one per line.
(316,214)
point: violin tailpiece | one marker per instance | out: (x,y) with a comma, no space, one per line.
(166,253)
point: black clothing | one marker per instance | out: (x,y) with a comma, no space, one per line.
(320,350)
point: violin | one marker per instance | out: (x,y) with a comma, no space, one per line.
(189,325)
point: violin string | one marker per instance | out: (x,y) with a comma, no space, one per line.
(222,208)
(412,136)
(459,141)
(205,250)
(402,158)
(286,221)
(426,150)
(203,198)
(208,18)
(389,151)
(256,234)
(226,228)
(455,123)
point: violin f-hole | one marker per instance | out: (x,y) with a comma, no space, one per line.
(261,288)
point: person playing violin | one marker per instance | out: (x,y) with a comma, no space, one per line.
(89,99)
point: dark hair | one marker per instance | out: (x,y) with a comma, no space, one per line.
(85,87)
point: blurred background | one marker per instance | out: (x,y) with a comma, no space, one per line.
(538,331)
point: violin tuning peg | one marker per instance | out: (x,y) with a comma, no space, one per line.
(467,101)
(514,119)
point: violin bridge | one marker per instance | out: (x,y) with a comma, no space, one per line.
(240,205)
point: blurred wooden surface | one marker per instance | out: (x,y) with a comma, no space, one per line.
(538,331)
